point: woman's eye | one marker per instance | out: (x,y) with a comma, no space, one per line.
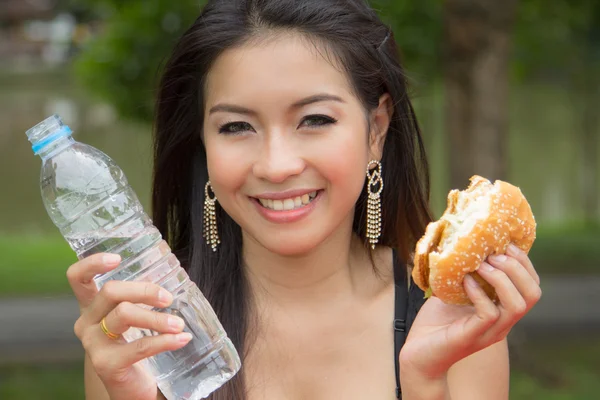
(235,127)
(315,121)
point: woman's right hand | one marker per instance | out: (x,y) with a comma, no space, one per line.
(115,360)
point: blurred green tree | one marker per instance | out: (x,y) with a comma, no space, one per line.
(417,27)
(122,64)
(584,70)
(590,128)
(559,41)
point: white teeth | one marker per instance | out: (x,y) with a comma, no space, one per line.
(288,204)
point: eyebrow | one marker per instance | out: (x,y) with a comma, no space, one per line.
(232,108)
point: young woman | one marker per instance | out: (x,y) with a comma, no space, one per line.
(288,113)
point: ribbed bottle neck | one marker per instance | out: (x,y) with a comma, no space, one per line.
(56,146)
(49,137)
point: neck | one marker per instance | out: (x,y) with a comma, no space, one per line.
(55,147)
(328,271)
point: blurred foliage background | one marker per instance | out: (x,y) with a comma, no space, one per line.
(504,89)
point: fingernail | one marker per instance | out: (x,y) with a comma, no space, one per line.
(175,322)
(513,250)
(111,259)
(183,337)
(486,267)
(471,281)
(164,296)
(499,258)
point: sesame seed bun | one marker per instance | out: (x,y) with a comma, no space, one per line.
(479,221)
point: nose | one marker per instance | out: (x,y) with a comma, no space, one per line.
(279,159)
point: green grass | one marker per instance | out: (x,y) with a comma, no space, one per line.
(557,370)
(34,265)
(567,249)
(43,382)
(37,265)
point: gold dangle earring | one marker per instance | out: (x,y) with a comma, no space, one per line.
(211,235)
(374,188)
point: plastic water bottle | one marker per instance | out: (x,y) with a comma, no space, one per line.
(90,201)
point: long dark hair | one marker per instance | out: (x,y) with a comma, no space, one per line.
(353,34)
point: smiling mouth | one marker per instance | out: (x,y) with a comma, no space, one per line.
(292,203)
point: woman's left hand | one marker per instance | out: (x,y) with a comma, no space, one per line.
(443,334)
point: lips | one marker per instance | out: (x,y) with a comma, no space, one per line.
(288,204)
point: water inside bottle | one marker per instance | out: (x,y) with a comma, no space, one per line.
(209,359)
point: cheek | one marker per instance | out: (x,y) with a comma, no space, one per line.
(227,167)
(346,160)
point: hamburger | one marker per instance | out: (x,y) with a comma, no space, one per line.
(479,221)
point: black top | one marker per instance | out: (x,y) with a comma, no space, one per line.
(408,302)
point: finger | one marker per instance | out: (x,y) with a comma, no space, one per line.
(115,292)
(509,297)
(81,274)
(486,312)
(523,258)
(127,315)
(130,353)
(86,269)
(512,305)
(110,357)
(151,345)
(523,281)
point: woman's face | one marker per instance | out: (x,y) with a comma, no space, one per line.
(286,142)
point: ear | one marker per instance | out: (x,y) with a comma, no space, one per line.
(380,122)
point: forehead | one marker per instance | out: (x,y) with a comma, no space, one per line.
(287,65)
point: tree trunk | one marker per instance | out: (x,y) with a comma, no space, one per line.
(477,43)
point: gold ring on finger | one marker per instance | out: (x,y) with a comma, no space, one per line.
(112,336)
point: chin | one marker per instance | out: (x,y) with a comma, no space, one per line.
(290,245)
